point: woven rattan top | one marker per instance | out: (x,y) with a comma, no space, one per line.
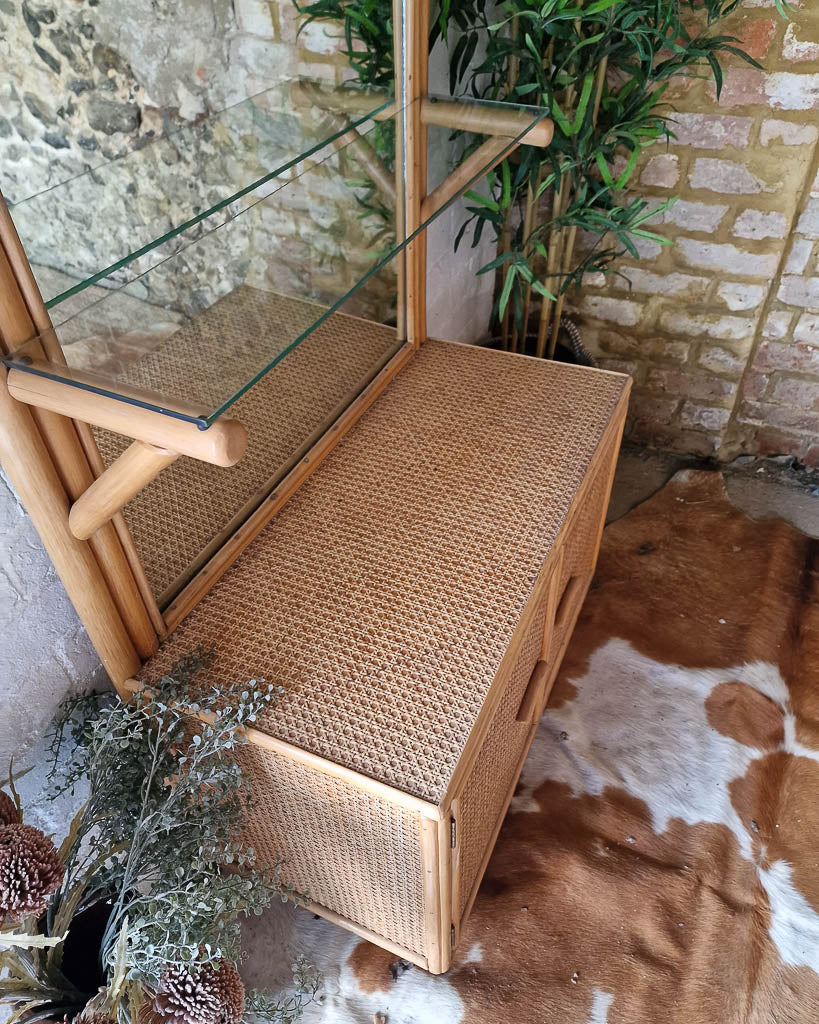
(175,519)
(385,593)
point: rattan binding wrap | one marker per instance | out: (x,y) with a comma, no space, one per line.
(177,518)
(402,598)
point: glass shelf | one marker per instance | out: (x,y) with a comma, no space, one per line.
(207,313)
(197,175)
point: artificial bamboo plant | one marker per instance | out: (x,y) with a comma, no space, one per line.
(602,68)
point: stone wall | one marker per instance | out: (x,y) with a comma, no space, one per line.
(88,81)
(721,331)
(84,82)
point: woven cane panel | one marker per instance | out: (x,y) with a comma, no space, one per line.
(487,787)
(350,852)
(385,594)
(175,518)
(578,548)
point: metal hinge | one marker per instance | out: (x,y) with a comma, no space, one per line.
(453,833)
(452,935)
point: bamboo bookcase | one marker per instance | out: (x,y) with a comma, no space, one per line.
(410,574)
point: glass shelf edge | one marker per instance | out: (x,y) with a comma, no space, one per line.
(216,208)
(62,373)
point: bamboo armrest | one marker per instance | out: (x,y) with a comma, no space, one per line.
(221,444)
(159,440)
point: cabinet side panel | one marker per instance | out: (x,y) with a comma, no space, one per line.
(351,852)
(484,794)
(580,553)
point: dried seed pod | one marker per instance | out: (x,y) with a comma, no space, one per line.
(214,994)
(30,870)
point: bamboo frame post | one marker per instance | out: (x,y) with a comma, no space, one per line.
(22,316)
(412,42)
(138,465)
(28,464)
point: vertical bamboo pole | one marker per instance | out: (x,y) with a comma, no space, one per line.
(568,254)
(400,157)
(71,445)
(528,225)
(551,267)
(413,17)
(29,467)
(506,231)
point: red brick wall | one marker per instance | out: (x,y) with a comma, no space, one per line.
(721,331)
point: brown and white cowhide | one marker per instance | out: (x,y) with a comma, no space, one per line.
(660,861)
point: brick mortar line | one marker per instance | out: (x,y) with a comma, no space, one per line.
(732,428)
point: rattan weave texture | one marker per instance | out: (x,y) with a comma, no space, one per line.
(384,595)
(349,851)
(579,554)
(177,516)
(484,792)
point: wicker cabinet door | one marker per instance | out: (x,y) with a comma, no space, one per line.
(482,802)
(579,555)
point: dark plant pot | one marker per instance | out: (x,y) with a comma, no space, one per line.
(562,353)
(81,949)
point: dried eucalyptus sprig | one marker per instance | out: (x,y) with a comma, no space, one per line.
(285,1009)
(162,829)
(158,847)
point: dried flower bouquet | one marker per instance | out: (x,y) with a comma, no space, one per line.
(136,918)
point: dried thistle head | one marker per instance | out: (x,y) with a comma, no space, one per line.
(212,994)
(30,870)
(9,815)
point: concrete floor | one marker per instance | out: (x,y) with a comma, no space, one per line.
(762,488)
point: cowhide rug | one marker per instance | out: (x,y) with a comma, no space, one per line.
(660,861)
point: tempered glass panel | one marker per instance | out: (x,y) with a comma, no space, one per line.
(206,171)
(195,332)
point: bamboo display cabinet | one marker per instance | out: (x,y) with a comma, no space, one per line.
(399,531)
(414,599)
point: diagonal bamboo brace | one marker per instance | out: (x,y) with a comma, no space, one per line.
(138,465)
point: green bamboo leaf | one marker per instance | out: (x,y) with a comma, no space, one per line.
(560,118)
(652,236)
(507,289)
(541,289)
(600,160)
(628,170)
(600,5)
(476,197)
(547,182)
(498,261)
(588,83)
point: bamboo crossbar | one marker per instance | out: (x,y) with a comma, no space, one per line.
(347,102)
(358,145)
(222,444)
(485,120)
